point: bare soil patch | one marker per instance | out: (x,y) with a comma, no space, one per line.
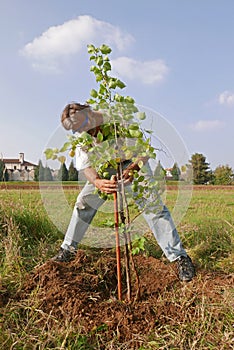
(84,292)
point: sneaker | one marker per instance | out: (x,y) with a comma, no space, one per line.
(64,255)
(186,268)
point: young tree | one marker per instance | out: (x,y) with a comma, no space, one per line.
(63,173)
(175,172)
(201,171)
(223,175)
(120,137)
(72,172)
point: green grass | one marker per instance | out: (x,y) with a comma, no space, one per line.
(29,238)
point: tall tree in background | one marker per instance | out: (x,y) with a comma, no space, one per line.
(47,174)
(72,172)
(159,171)
(201,170)
(175,172)
(63,173)
(39,172)
(3,172)
(223,175)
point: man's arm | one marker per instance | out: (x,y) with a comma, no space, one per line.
(106,186)
(129,171)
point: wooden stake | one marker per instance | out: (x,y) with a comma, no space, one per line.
(118,258)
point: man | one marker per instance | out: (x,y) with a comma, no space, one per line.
(79,118)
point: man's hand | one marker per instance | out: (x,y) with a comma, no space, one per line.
(128,173)
(106,186)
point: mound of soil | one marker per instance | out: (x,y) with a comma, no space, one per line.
(84,292)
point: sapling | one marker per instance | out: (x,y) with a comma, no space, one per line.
(121,137)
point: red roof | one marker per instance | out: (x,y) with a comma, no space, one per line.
(16,161)
(10,160)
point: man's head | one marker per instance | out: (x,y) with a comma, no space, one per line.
(74,116)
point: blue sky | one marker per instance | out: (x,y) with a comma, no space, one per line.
(176,57)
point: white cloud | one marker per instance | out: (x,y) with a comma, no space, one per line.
(207,125)
(226,98)
(147,72)
(47,50)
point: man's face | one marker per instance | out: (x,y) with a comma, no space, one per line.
(82,120)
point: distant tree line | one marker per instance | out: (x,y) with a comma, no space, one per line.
(45,173)
(202,174)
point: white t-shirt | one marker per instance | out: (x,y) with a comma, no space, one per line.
(82,159)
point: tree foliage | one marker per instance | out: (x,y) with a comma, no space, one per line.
(3,172)
(63,173)
(42,173)
(72,172)
(175,172)
(159,171)
(122,122)
(39,172)
(47,174)
(223,175)
(201,170)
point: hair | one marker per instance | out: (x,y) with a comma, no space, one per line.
(67,119)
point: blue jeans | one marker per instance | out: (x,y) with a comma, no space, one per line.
(159,221)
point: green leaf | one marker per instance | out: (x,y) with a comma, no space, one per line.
(65,147)
(135,133)
(91,49)
(93,93)
(141,115)
(105,50)
(127,117)
(140,164)
(129,99)
(105,174)
(140,178)
(102,89)
(112,84)
(49,153)
(118,98)
(98,77)
(120,85)
(91,101)
(95,69)
(106,66)
(134,126)
(99,60)
(99,136)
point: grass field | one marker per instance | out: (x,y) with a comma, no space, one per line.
(29,239)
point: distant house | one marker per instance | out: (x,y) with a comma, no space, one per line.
(19,169)
(168,175)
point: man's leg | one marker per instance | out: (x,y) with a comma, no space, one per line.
(165,232)
(162,225)
(85,208)
(168,239)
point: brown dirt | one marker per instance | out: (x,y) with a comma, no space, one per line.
(35,186)
(84,292)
